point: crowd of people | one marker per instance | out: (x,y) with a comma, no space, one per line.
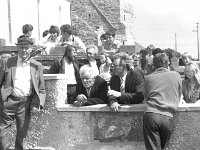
(115,81)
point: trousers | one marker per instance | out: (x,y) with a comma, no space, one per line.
(157,130)
(14,109)
(71,90)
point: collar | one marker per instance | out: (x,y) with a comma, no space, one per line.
(19,60)
(161,69)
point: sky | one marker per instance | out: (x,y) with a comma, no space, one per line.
(157,22)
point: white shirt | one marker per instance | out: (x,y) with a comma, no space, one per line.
(70,73)
(105,72)
(149,59)
(23,83)
(94,66)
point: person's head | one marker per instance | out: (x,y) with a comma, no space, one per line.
(70,52)
(160,60)
(121,63)
(45,33)
(54,31)
(150,48)
(156,51)
(87,76)
(192,71)
(103,57)
(27,29)
(185,59)
(110,36)
(66,30)
(91,51)
(103,38)
(24,47)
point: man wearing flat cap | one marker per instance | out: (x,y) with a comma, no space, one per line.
(22,93)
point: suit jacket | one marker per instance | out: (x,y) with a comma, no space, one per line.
(7,79)
(134,87)
(58,67)
(98,92)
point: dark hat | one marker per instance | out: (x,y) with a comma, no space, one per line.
(23,40)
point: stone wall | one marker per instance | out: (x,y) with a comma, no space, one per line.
(88,21)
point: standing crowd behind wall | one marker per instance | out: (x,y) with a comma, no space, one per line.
(118,78)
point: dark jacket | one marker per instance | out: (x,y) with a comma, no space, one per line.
(134,87)
(98,92)
(58,67)
(7,78)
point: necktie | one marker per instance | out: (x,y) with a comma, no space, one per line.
(122,85)
(88,92)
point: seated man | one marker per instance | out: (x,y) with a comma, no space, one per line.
(126,87)
(92,90)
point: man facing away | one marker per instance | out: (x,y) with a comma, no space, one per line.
(22,93)
(162,94)
(126,86)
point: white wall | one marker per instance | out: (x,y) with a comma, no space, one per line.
(4,34)
(52,12)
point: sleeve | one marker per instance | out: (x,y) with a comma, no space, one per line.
(54,68)
(80,44)
(42,92)
(136,97)
(2,72)
(114,85)
(2,77)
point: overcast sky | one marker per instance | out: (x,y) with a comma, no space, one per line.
(157,21)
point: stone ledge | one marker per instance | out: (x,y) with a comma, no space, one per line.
(54,76)
(124,108)
(36,148)
(101,107)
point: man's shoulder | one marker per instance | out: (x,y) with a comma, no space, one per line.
(134,73)
(99,79)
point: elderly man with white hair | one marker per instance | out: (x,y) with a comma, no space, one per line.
(92,89)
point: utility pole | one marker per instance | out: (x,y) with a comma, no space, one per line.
(175,43)
(9,22)
(38,15)
(197,31)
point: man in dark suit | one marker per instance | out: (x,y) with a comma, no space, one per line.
(126,87)
(92,90)
(22,92)
(70,67)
